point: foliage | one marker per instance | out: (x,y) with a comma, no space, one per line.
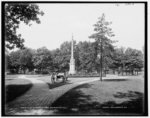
(64,57)
(13,61)
(85,54)
(104,45)
(15,13)
(61,57)
(134,58)
(42,59)
(102,30)
(119,57)
(25,59)
(20,59)
(128,59)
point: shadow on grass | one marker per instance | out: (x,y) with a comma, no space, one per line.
(57,84)
(10,79)
(75,102)
(115,80)
(134,104)
(13,91)
(130,94)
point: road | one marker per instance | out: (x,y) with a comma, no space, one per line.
(40,96)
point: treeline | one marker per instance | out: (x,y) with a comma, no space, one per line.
(86,54)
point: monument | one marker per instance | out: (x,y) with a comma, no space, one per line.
(72,60)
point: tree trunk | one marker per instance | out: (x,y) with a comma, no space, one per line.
(113,71)
(122,72)
(132,72)
(24,70)
(105,72)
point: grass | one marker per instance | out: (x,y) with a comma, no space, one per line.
(9,77)
(15,88)
(118,97)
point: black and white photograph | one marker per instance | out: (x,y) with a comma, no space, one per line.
(74,58)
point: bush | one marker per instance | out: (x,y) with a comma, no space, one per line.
(44,72)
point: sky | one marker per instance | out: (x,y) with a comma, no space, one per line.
(60,21)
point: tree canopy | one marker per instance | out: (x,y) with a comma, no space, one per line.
(15,13)
(85,54)
(42,59)
(104,45)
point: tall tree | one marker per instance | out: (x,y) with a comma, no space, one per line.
(86,56)
(13,61)
(65,54)
(25,59)
(134,59)
(120,59)
(15,13)
(20,60)
(56,59)
(101,36)
(128,59)
(42,59)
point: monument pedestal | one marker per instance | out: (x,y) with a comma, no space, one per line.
(72,66)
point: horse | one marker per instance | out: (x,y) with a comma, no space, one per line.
(55,76)
(63,76)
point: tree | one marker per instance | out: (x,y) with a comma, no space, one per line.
(128,60)
(14,14)
(20,60)
(103,32)
(56,59)
(13,61)
(25,59)
(120,59)
(42,59)
(86,56)
(64,57)
(61,57)
(134,59)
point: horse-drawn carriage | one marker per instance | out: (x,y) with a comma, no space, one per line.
(61,75)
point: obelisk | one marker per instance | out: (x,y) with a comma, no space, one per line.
(72,60)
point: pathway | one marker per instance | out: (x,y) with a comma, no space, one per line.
(40,96)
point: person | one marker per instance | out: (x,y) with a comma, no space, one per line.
(53,76)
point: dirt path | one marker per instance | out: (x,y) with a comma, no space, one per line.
(40,96)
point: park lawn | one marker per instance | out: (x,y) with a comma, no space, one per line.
(15,76)
(109,97)
(16,87)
